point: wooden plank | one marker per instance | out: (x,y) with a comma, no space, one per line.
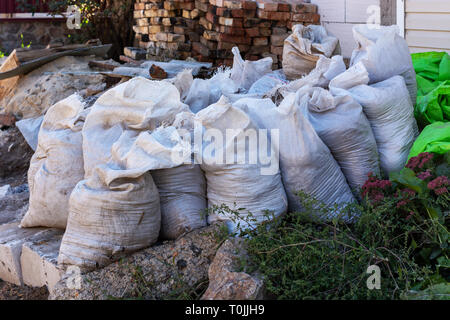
(34,64)
(388,12)
(422,6)
(7,85)
(428,21)
(429,39)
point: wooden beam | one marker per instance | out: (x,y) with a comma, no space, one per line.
(388,12)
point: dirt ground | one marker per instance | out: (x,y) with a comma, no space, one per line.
(10,291)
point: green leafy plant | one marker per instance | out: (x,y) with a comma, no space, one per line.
(401,226)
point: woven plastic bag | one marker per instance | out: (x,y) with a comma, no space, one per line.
(237,184)
(306,163)
(389,110)
(57,165)
(246,73)
(384,54)
(203,93)
(116,208)
(303,48)
(341,123)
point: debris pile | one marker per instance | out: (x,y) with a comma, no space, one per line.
(161,153)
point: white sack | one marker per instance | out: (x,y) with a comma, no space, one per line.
(203,93)
(389,110)
(115,209)
(384,54)
(57,165)
(326,69)
(238,184)
(306,163)
(303,48)
(182,82)
(267,82)
(246,73)
(182,192)
(341,123)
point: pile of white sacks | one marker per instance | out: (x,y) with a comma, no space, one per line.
(147,159)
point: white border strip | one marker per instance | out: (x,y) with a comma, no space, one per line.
(401,17)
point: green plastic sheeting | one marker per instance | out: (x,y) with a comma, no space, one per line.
(433,87)
(435,138)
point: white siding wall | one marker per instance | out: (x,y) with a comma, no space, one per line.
(339,16)
(427,25)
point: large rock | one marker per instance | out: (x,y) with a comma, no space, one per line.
(226,282)
(164,270)
(11,240)
(39,259)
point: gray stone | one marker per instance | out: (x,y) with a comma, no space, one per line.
(11,240)
(13,206)
(167,270)
(39,259)
(225,282)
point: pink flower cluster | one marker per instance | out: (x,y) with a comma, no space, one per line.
(420,161)
(439,185)
(424,175)
(373,188)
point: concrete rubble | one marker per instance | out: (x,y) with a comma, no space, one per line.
(39,259)
(165,270)
(226,282)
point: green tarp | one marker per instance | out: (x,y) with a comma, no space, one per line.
(434,138)
(433,87)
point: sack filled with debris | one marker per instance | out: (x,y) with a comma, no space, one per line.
(116,209)
(326,69)
(341,123)
(385,54)
(57,165)
(303,48)
(203,93)
(389,110)
(182,192)
(238,179)
(306,163)
(267,82)
(246,73)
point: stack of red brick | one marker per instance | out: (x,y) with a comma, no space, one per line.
(208,29)
(162,27)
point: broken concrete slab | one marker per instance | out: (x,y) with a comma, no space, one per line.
(167,270)
(39,259)
(11,240)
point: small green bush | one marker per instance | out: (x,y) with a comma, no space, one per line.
(401,226)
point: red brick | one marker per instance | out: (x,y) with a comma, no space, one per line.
(212,18)
(235,39)
(249,5)
(304,8)
(139,6)
(252,32)
(267,5)
(276,50)
(201,49)
(306,17)
(260,41)
(265,32)
(232,31)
